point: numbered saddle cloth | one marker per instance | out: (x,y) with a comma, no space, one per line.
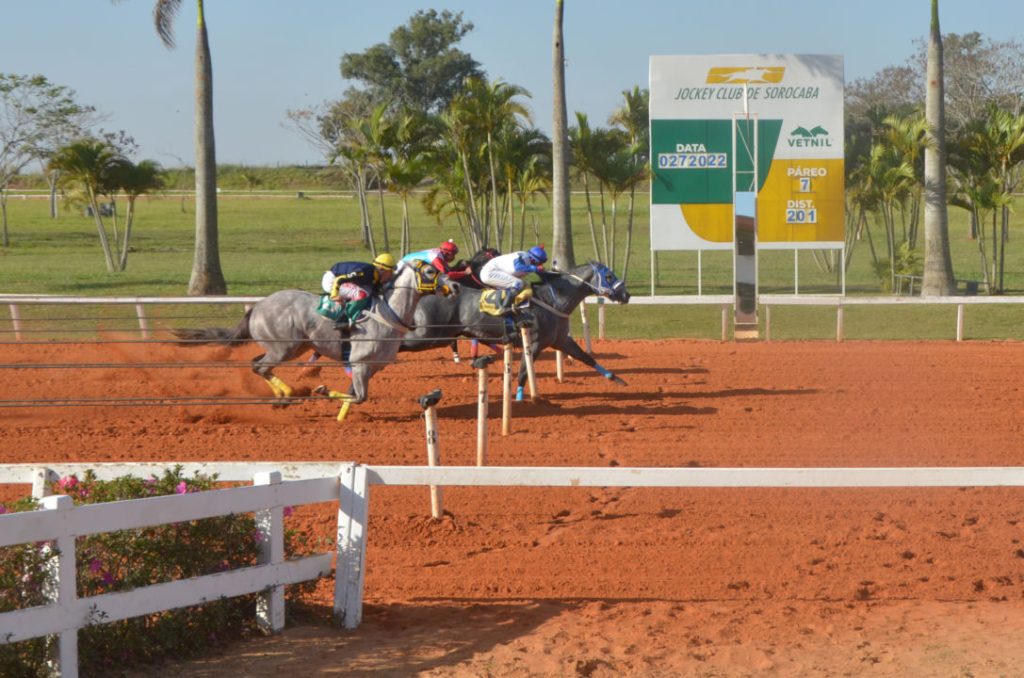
(330,309)
(493,302)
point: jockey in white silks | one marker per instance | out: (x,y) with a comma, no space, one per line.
(506,271)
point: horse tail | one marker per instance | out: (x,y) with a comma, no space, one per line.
(216,335)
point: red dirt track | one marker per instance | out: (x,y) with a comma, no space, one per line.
(613,581)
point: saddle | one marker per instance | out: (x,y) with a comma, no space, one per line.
(330,309)
(497,302)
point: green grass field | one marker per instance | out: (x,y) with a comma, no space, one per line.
(271,242)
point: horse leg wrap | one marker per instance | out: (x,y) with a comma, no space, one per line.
(602,371)
(343,412)
(519,394)
(281,389)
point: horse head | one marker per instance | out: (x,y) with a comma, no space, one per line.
(605,283)
(429,280)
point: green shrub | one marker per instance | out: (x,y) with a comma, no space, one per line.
(128,559)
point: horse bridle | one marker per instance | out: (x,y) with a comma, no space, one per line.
(602,288)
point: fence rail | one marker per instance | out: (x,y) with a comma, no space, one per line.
(724,301)
(281,484)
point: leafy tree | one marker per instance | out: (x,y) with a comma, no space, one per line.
(135,180)
(36,117)
(938,277)
(419,66)
(207,276)
(561,245)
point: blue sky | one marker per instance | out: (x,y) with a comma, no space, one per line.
(270,56)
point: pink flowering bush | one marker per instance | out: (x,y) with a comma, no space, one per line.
(121,561)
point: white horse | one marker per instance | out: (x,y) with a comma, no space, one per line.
(287,324)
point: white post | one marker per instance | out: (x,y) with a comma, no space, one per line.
(700,276)
(349,575)
(41,479)
(60,589)
(796,272)
(16,320)
(839,322)
(531,376)
(429,405)
(767,323)
(600,318)
(959,322)
(506,391)
(725,322)
(270,527)
(481,408)
(586,326)
(140,311)
(559,368)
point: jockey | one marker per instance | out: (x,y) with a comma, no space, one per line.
(440,257)
(506,271)
(355,282)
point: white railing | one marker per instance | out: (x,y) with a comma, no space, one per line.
(59,523)
(303,483)
(725,301)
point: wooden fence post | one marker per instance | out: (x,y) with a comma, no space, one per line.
(60,589)
(429,405)
(349,574)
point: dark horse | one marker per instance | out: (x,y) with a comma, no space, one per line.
(438,321)
(287,324)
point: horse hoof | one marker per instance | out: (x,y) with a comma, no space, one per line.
(321,390)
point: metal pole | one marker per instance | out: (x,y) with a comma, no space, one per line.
(559,369)
(586,327)
(16,320)
(600,318)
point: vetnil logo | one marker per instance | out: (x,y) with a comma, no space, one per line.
(816,137)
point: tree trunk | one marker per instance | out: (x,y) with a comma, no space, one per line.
(108,257)
(128,220)
(629,234)
(5,239)
(938,263)
(51,181)
(207,277)
(561,246)
(383,216)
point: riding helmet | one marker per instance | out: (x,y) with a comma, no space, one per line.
(449,249)
(537,254)
(385,261)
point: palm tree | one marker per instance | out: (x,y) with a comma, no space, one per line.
(90,164)
(207,277)
(634,118)
(938,263)
(561,245)
(135,180)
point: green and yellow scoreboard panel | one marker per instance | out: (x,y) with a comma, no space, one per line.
(796,103)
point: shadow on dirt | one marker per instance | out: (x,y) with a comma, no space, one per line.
(392,640)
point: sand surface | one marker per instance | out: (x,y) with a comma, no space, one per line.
(614,581)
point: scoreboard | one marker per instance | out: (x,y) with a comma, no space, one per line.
(795,102)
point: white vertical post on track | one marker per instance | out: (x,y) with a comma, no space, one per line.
(140,311)
(725,322)
(600,318)
(429,405)
(531,375)
(559,367)
(959,322)
(506,390)
(270,527)
(349,574)
(767,323)
(586,327)
(16,320)
(480,364)
(839,321)
(60,589)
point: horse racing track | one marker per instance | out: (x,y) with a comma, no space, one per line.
(568,581)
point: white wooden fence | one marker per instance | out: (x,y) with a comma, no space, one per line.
(287,484)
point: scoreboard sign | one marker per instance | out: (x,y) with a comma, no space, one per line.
(796,103)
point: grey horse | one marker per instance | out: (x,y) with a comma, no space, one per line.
(287,324)
(437,320)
